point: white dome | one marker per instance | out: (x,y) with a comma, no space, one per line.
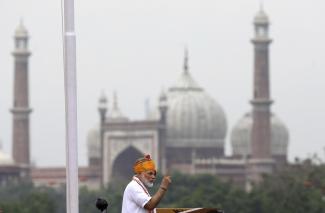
(93,143)
(241,136)
(194,119)
(21,31)
(5,159)
(261,18)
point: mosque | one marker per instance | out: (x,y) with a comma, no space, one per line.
(185,133)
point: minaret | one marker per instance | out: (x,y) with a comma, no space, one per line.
(260,162)
(163,107)
(261,131)
(102,109)
(20,109)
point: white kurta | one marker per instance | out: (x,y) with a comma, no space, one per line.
(135,197)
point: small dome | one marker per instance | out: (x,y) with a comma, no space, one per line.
(261,18)
(5,159)
(93,137)
(241,136)
(21,31)
(194,119)
(115,114)
(93,143)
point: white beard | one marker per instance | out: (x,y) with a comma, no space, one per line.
(146,182)
(149,184)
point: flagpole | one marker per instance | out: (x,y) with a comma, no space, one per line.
(70,85)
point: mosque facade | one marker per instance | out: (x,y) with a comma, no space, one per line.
(188,130)
(185,133)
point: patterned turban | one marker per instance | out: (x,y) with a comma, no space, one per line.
(144,164)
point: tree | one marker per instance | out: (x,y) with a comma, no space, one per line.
(298,188)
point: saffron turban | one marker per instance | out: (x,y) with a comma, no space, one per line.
(144,164)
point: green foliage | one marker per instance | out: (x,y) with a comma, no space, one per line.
(203,191)
(194,191)
(298,188)
(87,199)
(25,198)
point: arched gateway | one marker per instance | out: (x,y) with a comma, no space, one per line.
(124,143)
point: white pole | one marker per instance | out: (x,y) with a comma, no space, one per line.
(69,55)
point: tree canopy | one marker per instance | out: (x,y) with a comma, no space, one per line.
(297,188)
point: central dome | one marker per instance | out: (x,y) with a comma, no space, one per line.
(194,119)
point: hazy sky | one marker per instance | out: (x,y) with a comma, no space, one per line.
(135,47)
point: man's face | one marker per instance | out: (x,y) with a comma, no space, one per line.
(148,177)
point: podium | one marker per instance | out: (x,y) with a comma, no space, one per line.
(188,210)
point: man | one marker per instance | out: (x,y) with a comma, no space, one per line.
(136,198)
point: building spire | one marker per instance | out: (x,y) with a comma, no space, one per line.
(261,5)
(21,110)
(261,102)
(185,81)
(185,60)
(102,97)
(115,101)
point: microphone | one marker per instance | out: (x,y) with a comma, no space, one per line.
(101,204)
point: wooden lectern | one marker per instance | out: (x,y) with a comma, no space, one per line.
(188,210)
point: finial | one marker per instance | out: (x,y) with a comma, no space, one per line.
(102,98)
(102,106)
(21,31)
(115,101)
(21,24)
(147,107)
(21,21)
(185,60)
(163,100)
(163,95)
(261,5)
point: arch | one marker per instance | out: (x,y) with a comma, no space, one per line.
(122,169)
